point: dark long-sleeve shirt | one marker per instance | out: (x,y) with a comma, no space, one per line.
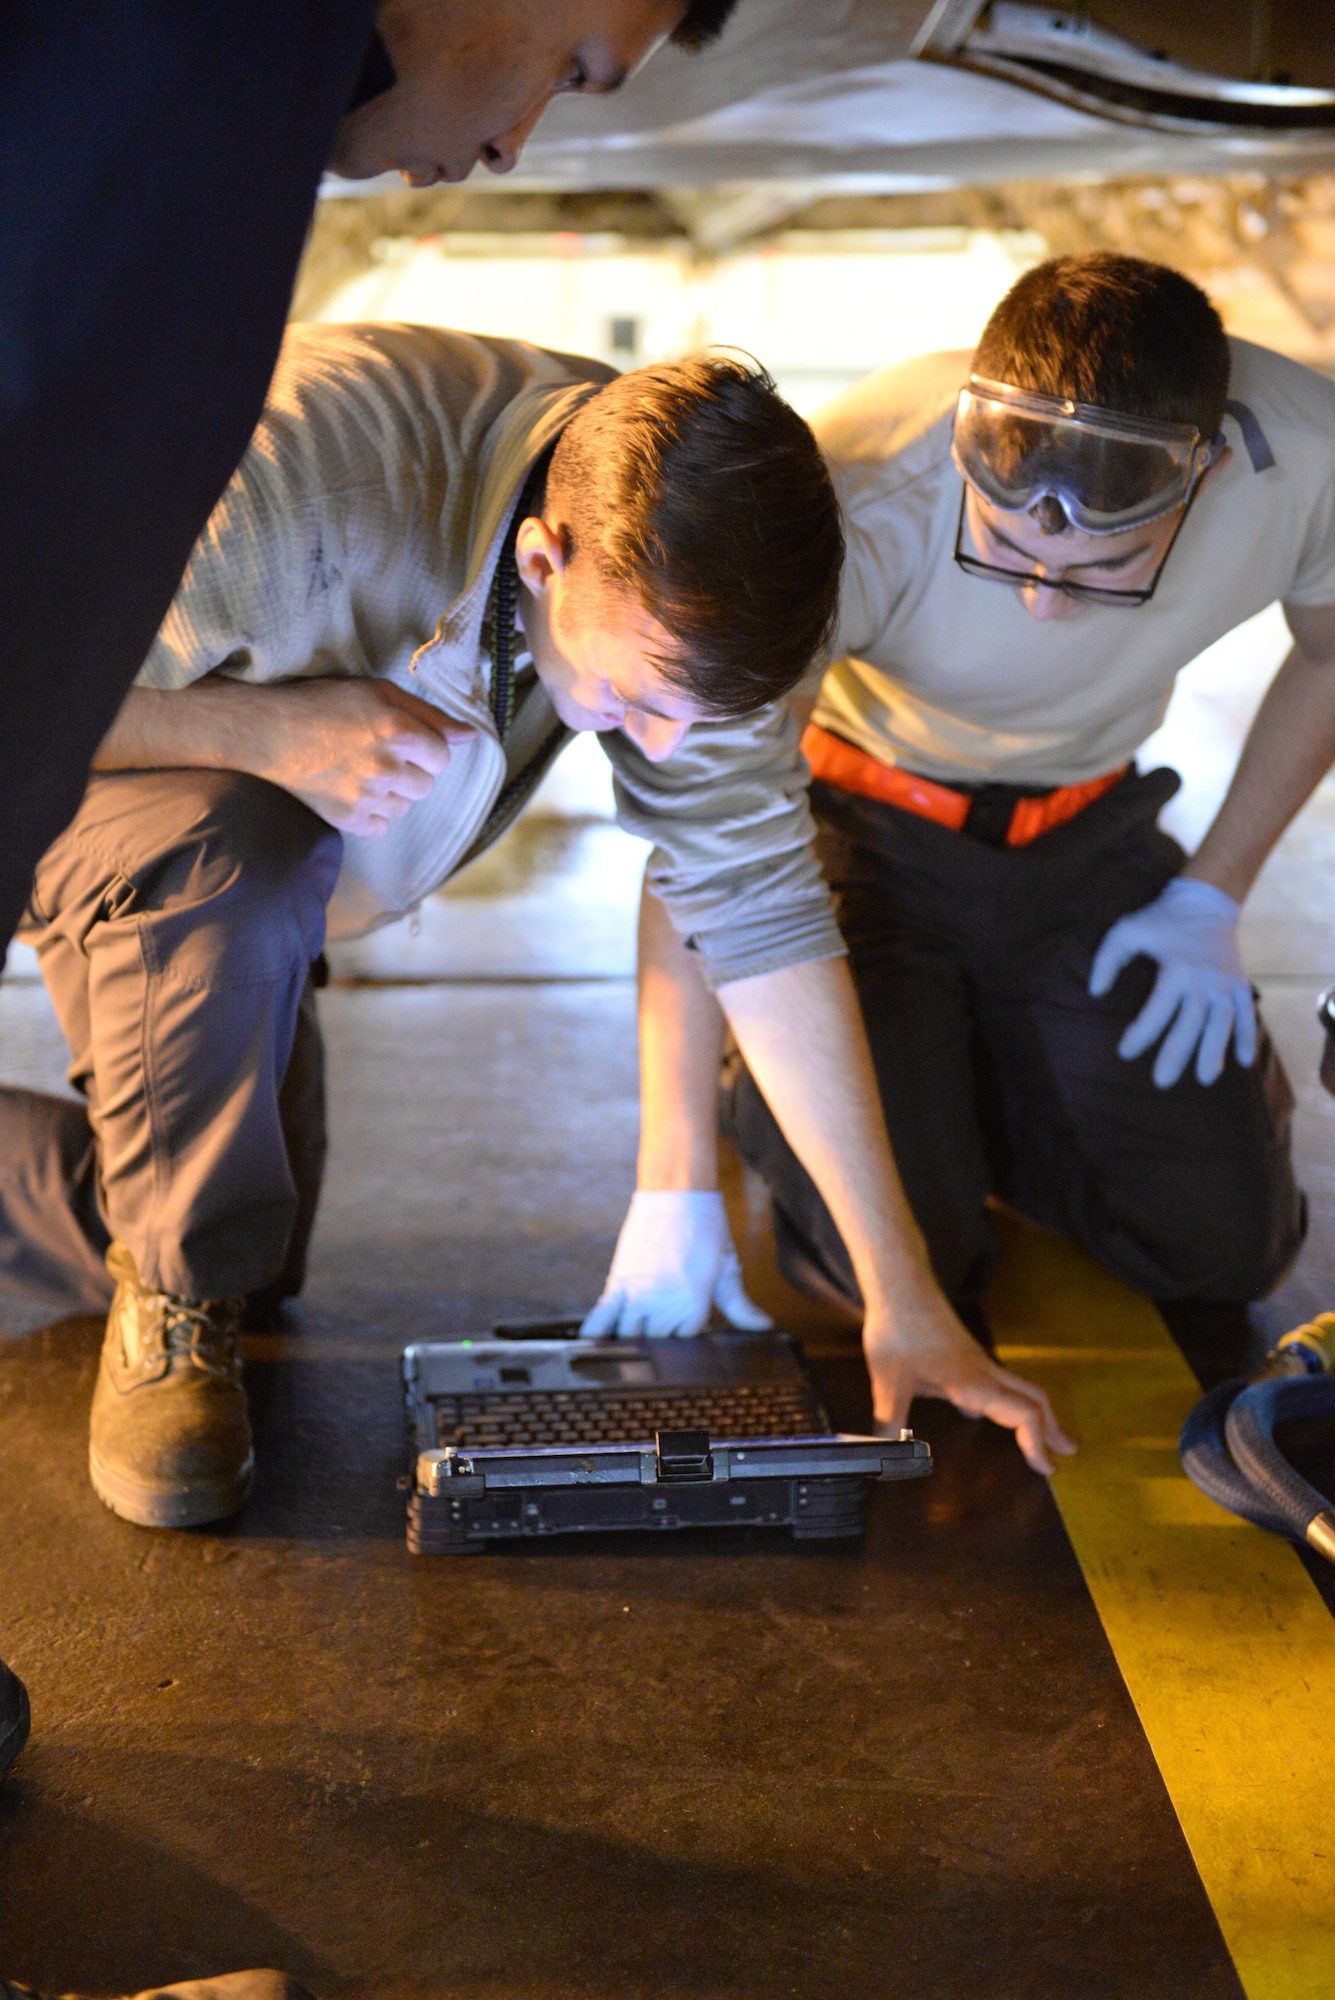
(159,161)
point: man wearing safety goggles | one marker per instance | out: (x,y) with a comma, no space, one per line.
(1054,996)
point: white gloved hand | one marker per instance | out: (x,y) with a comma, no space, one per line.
(1192,930)
(674,1259)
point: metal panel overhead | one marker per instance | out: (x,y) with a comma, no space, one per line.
(880,95)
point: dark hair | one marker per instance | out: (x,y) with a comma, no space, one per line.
(1119,332)
(694,485)
(702,23)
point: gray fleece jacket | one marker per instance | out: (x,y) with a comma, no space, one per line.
(360,536)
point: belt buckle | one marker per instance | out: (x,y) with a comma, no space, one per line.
(991,810)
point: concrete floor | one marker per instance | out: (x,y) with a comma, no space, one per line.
(707,1769)
(723,1768)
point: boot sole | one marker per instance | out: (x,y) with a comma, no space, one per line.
(170,1506)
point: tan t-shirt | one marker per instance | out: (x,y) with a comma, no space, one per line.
(948,675)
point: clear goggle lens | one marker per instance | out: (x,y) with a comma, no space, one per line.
(1106,472)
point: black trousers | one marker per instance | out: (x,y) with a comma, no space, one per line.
(999,1074)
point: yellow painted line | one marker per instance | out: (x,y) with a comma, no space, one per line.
(1226,1647)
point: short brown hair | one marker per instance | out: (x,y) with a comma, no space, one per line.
(695,486)
(702,23)
(1119,332)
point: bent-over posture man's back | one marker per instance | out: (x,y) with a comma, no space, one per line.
(342,709)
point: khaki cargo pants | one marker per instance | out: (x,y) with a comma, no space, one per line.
(176,922)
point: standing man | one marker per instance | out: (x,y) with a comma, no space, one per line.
(159,161)
(1040,536)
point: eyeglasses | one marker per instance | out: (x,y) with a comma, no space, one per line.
(1088,593)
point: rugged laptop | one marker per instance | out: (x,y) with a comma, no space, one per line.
(532,1431)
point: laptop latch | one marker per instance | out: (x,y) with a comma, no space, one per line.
(684,1455)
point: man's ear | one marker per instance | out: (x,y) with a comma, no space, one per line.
(540,554)
(1219,464)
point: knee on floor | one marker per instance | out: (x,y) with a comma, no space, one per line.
(1241,1254)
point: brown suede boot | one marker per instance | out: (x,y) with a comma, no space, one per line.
(169,1444)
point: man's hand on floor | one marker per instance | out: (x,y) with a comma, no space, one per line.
(358,752)
(926,1352)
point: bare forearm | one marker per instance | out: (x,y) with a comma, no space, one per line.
(801,1033)
(215,725)
(1288,751)
(681,1045)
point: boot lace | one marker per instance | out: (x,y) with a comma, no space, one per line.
(190,1327)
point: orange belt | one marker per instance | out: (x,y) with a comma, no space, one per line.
(839,763)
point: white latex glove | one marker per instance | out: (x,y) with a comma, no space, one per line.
(674,1259)
(1192,930)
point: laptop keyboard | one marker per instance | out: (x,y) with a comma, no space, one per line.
(515,1418)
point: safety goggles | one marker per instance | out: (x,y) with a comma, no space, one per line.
(1086,593)
(1105,471)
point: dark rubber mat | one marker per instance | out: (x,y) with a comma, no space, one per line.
(705,1769)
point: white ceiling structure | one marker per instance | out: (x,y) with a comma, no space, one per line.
(884,96)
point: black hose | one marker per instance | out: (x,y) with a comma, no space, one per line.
(1206,1461)
(1228,1444)
(1249,1429)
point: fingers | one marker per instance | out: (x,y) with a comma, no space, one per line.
(1029,1437)
(979,1388)
(373,814)
(1040,1426)
(1180,1041)
(407,757)
(1202,1022)
(364,819)
(893,1388)
(1215,1037)
(647,1316)
(399,783)
(432,718)
(1021,1407)
(1152,1019)
(1119,947)
(1201,1001)
(1244,1024)
(731,1298)
(677,1313)
(424,749)
(365,802)
(421,735)
(386,794)
(602,1320)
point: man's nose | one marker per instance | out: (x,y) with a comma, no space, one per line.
(656,737)
(1044,603)
(501,154)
